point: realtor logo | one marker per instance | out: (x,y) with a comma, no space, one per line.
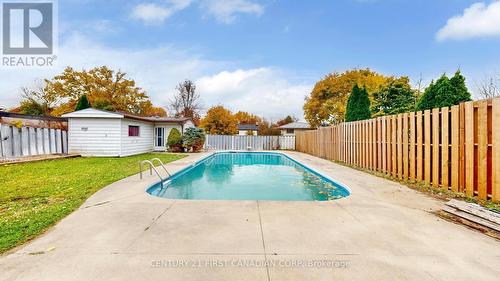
(28,33)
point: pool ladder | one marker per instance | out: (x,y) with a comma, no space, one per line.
(152,167)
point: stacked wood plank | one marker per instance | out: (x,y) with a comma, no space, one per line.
(474,213)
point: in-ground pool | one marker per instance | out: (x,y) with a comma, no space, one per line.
(249,176)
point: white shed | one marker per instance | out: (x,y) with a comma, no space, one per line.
(93,132)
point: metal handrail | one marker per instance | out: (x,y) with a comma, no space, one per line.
(161,163)
(151,168)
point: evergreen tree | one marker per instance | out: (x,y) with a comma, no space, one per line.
(83,103)
(461,92)
(444,92)
(395,97)
(358,105)
(174,138)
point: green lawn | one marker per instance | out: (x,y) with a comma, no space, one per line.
(34,196)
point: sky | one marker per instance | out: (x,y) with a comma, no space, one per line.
(264,56)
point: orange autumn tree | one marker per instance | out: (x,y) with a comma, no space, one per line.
(219,121)
(243,117)
(105,89)
(328,99)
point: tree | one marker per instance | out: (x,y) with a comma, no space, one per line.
(32,107)
(147,109)
(193,139)
(219,121)
(460,91)
(186,102)
(444,92)
(488,88)
(83,103)
(36,101)
(287,120)
(327,101)
(243,117)
(268,129)
(103,87)
(358,105)
(396,96)
(174,140)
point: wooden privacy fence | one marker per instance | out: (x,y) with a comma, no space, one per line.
(455,148)
(237,142)
(28,141)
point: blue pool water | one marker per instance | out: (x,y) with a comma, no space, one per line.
(249,176)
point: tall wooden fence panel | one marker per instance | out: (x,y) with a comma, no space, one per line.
(28,141)
(456,148)
(236,142)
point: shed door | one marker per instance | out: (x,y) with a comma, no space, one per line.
(159,138)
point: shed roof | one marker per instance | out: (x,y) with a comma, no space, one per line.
(296,125)
(99,113)
(248,127)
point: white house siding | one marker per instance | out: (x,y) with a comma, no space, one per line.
(94,136)
(168,127)
(284,132)
(187,124)
(137,145)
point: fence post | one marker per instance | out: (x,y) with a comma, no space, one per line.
(482,149)
(495,140)
(46,141)
(469,148)
(445,148)
(64,142)
(7,142)
(455,148)
(32,141)
(25,141)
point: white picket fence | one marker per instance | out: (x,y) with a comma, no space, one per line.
(28,141)
(237,142)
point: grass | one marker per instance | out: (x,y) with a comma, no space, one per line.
(34,196)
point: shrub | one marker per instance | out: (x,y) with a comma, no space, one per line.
(174,140)
(358,105)
(193,139)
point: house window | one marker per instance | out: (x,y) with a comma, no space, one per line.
(289,131)
(133,131)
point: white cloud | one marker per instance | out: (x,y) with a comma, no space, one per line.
(479,20)
(263,91)
(157,70)
(226,10)
(151,13)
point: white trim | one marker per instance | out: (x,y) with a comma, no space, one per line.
(92,113)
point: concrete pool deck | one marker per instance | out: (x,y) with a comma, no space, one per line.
(382,231)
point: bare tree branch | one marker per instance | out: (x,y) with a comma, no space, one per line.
(488,87)
(186,102)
